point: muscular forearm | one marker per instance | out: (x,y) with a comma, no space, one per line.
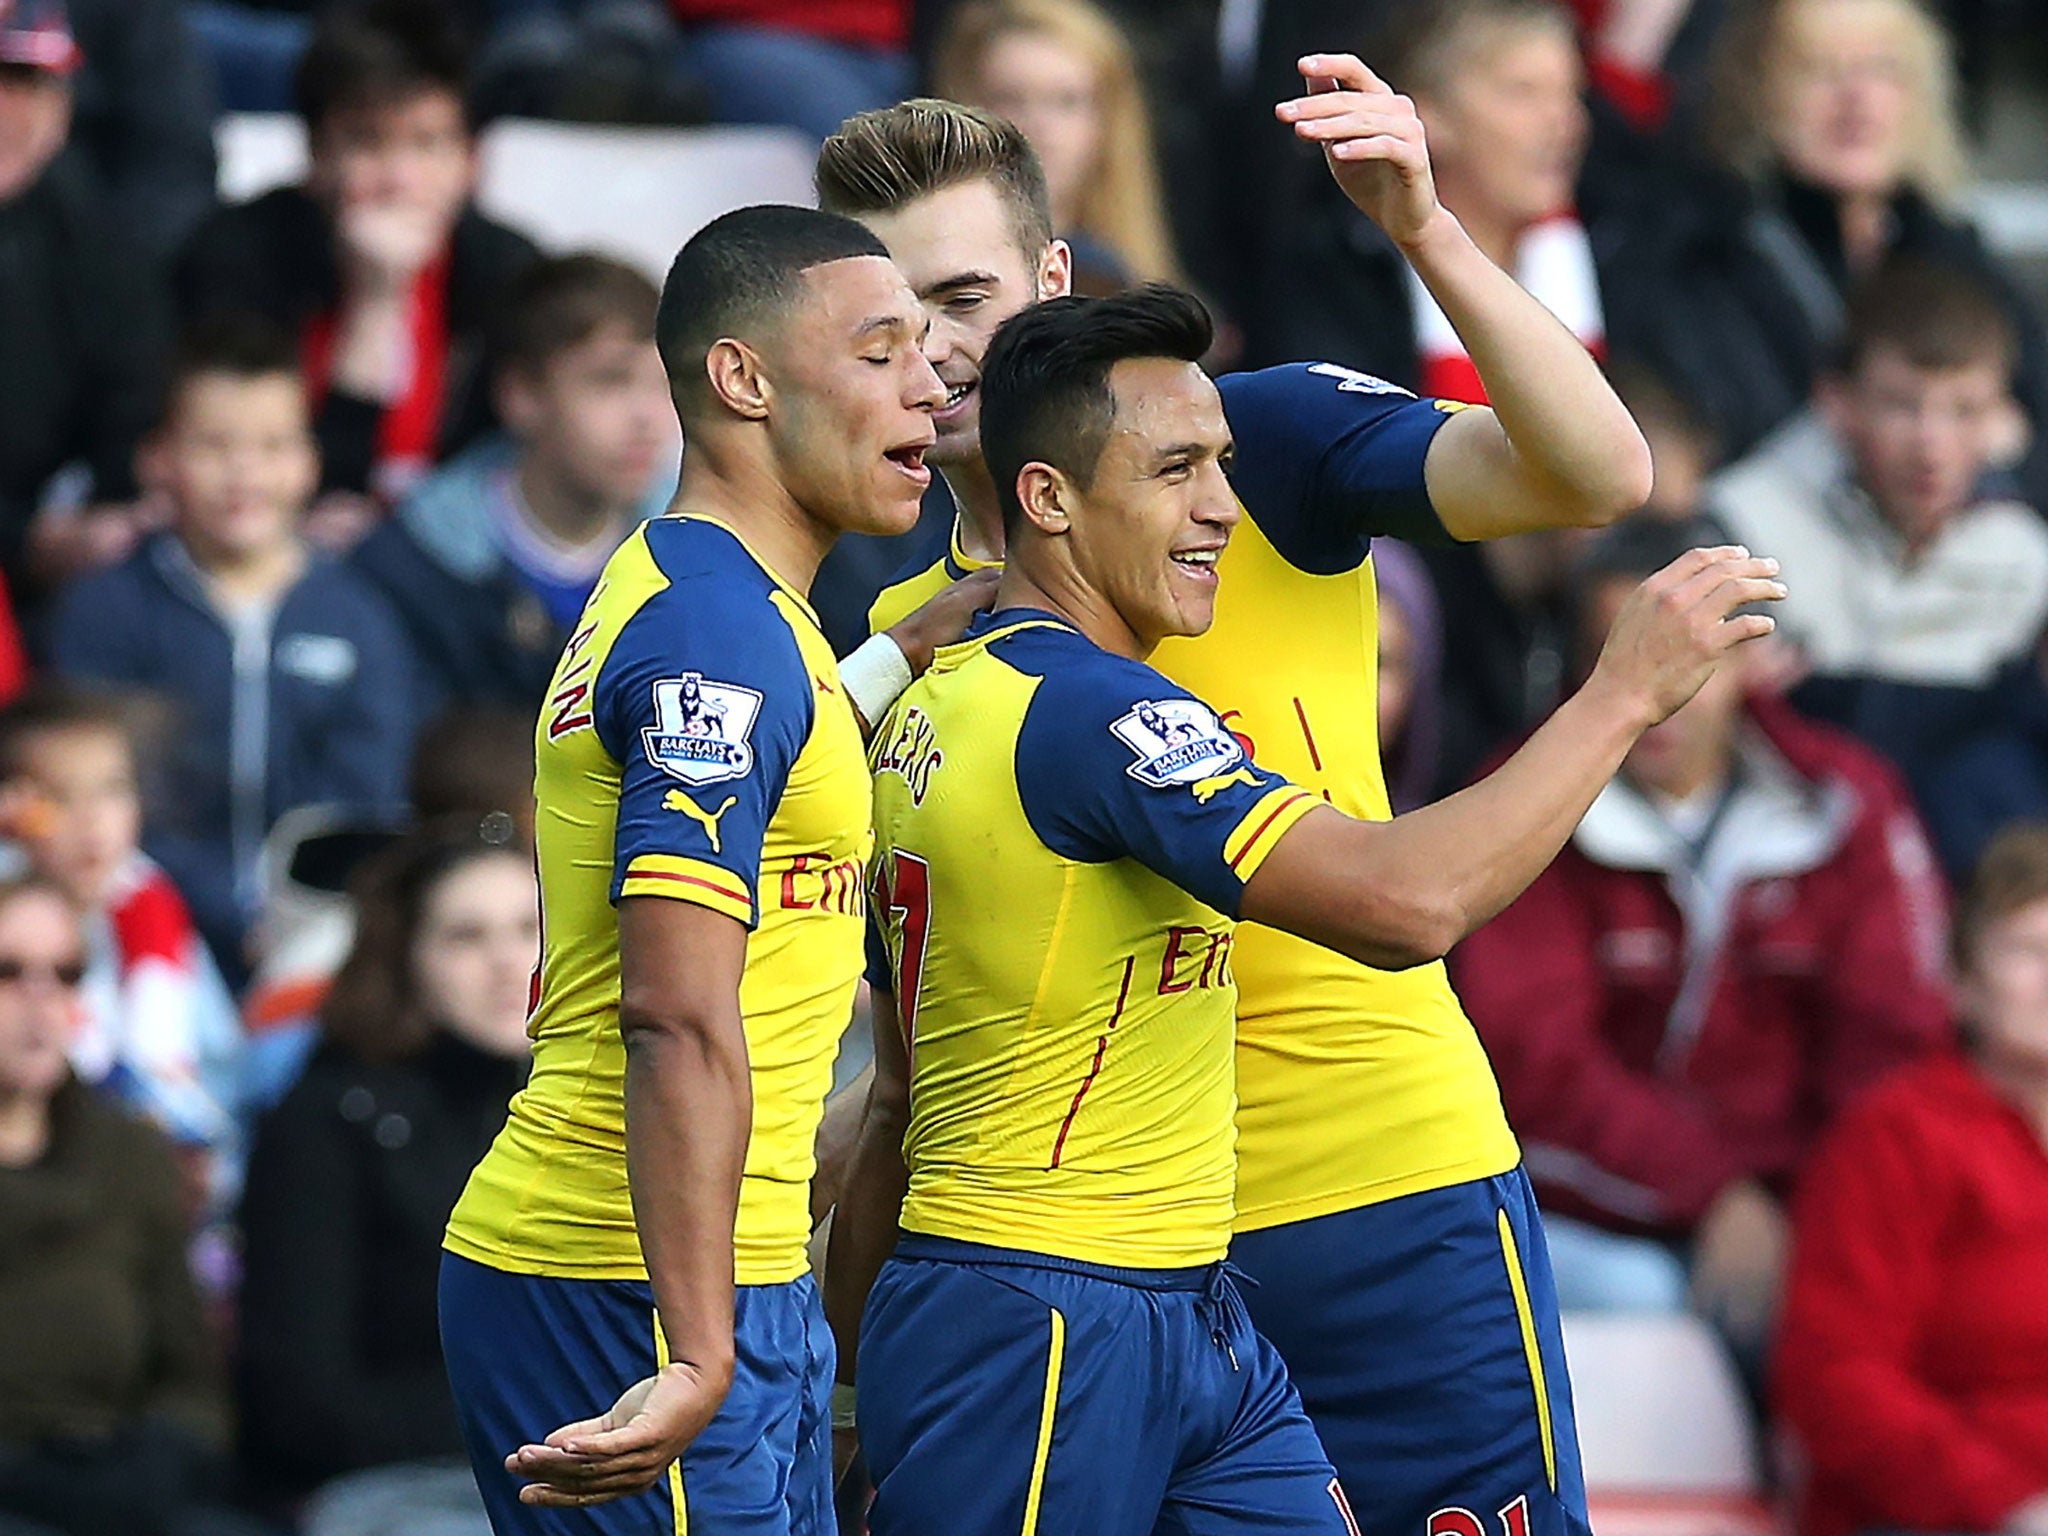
(1402,893)
(1572,451)
(688,1114)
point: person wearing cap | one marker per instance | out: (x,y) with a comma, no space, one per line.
(85,320)
(1744,933)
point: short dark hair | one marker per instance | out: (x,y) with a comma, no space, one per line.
(1936,314)
(740,270)
(881,160)
(1045,392)
(47,707)
(377,55)
(238,346)
(561,301)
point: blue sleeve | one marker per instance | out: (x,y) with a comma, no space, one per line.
(1114,761)
(1326,458)
(704,702)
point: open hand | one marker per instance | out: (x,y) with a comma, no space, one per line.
(622,1452)
(1678,625)
(1371,139)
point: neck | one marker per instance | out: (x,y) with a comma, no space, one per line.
(1690,780)
(2022,1084)
(981,515)
(1866,221)
(747,497)
(24,1129)
(1061,592)
(1495,234)
(564,511)
(247,575)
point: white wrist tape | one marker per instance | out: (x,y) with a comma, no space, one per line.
(874,675)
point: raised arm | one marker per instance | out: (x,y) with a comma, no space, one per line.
(689,1108)
(1402,893)
(1556,448)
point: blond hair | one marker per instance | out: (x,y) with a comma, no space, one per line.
(1751,49)
(1122,205)
(881,160)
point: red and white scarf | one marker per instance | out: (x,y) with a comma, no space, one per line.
(1554,262)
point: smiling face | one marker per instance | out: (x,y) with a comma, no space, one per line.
(960,252)
(1144,532)
(239,458)
(851,397)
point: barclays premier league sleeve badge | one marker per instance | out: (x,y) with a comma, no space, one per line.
(1177,741)
(701,729)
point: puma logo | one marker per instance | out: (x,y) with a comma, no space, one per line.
(676,800)
(1208,789)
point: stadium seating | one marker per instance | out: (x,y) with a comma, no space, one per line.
(1666,1432)
(637,193)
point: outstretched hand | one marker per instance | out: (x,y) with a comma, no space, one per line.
(622,1452)
(1679,625)
(1371,139)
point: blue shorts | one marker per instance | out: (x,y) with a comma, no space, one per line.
(1423,1335)
(1004,1392)
(527,1354)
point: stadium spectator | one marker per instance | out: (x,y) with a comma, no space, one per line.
(378,263)
(1410,673)
(1498,86)
(159,1030)
(488,562)
(1743,933)
(84,320)
(1912,1365)
(1838,120)
(811,64)
(290,677)
(112,1413)
(425,1042)
(1065,73)
(1910,589)
(144,105)
(1683,447)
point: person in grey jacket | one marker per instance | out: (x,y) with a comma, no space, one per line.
(288,679)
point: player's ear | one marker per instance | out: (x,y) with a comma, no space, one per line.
(737,379)
(1056,271)
(1042,492)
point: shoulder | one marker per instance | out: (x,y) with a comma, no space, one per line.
(335,592)
(1096,712)
(2010,530)
(110,600)
(113,1138)
(1288,384)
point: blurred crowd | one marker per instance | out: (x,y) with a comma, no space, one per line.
(299,498)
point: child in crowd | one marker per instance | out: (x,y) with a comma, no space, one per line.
(488,562)
(288,679)
(159,1030)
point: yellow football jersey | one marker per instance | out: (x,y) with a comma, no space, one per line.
(1062,840)
(694,745)
(1354,1085)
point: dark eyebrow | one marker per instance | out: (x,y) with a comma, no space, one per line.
(881,323)
(1190,451)
(958,280)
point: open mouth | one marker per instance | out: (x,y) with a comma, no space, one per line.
(910,459)
(956,396)
(1197,561)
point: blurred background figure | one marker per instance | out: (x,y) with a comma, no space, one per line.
(1498,85)
(378,265)
(86,324)
(424,1043)
(810,64)
(1912,1365)
(288,677)
(1410,673)
(113,1414)
(1063,71)
(1911,586)
(1743,934)
(488,561)
(158,1029)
